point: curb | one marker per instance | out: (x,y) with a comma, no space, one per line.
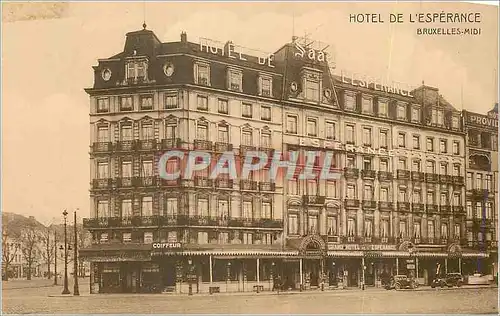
(27,287)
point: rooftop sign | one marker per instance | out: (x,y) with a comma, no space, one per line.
(481,120)
(377,85)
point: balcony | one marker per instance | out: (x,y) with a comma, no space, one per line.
(268,151)
(171,183)
(384,176)
(368,239)
(125,145)
(369,204)
(428,241)
(146,144)
(126,182)
(267,186)
(202,221)
(222,147)
(146,221)
(147,181)
(351,173)
(459,210)
(482,222)
(170,143)
(255,222)
(203,182)
(353,203)
(431,178)
(368,174)
(383,205)
(432,208)
(248,185)
(202,144)
(442,241)
(168,220)
(102,147)
(418,208)
(458,180)
(417,176)
(403,174)
(444,178)
(244,149)
(102,183)
(113,222)
(350,239)
(224,183)
(313,199)
(403,206)
(480,194)
(445,209)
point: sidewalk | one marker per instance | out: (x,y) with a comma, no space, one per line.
(15,284)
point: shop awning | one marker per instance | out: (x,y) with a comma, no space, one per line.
(236,253)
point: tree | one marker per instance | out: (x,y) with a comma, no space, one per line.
(29,238)
(49,250)
(9,250)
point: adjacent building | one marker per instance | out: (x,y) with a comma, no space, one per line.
(397,209)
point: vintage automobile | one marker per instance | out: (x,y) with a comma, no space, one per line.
(401,281)
(449,280)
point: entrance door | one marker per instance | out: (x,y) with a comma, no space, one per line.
(313,271)
(168,275)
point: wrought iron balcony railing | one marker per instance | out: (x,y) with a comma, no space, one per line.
(385,176)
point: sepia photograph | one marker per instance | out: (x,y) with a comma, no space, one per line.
(250,157)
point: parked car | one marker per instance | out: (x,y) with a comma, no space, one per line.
(449,280)
(401,281)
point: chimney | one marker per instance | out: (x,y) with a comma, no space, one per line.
(183,37)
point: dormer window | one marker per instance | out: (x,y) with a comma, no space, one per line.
(349,101)
(202,74)
(383,107)
(415,114)
(367,105)
(312,90)
(455,123)
(265,86)
(136,70)
(401,111)
(234,79)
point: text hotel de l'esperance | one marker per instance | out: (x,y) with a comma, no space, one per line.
(463,23)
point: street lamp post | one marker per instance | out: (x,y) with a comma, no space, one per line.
(65,290)
(190,281)
(55,257)
(76,290)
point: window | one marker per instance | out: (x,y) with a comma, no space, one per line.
(126,209)
(367,105)
(148,237)
(147,168)
(383,165)
(350,102)
(147,206)
(401,140)
(136,70)
(402,195)
(246,138)
(102,170)
(444,231)
(456,170)
(431,166)
(415,114)
(267,239)
(332,226)
(171,130)
(383,107)
(384,194)
(202,103)
(440,118)
(457,199)
(443,146)
(443,168)
(457,231)
(470,212)
(313,224)
(247,211)
(126,103)
(312,187)
(265,113)
(102,209)
(223,209)
(402,164)
(431,197)
(312,128)
(147,131)
(202,74)
(416,142)
(479,210)
(367,163)
(223,134)
(312,90)
(235,78)
(469,180)
(223,238)
(430,144)
(455,122)
(488,182)
(351,161)
(351,191)
(368,229)
(402,229)
(488,209)
(367,136)
(146,102)
(456,148)
(330,130)
(126,169)
(265,140)
(104,237)
(222,106)
(494,142)
(417,196)
(384,228)
(247,110)
(349,134)
(416,230)
(102,134)
(102,105)
(416,165)
(203,207)
(479,181)
(171,101)
(171,208)
(265,86)
(266,210)
(202,238)
(383,139)
(401,112)
(331,188)
(444,198)
(247,238)
(127,237)
(351,227)
(368,193)
(291,124)
(293,224)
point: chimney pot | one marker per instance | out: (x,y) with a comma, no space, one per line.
(183,37)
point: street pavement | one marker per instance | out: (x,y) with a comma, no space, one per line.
(47,299)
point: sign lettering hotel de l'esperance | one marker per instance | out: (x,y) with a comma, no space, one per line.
(232,51)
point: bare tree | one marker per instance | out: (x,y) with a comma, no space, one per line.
(30,238)
(9,250)
(48,250)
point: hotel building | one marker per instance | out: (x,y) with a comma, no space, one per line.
(397,209)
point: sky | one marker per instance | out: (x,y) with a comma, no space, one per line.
(49,50)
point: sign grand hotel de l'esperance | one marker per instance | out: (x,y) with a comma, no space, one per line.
(156,235)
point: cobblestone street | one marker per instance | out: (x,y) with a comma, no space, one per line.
(424,300)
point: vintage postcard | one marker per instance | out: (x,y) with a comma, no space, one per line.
(250,158)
